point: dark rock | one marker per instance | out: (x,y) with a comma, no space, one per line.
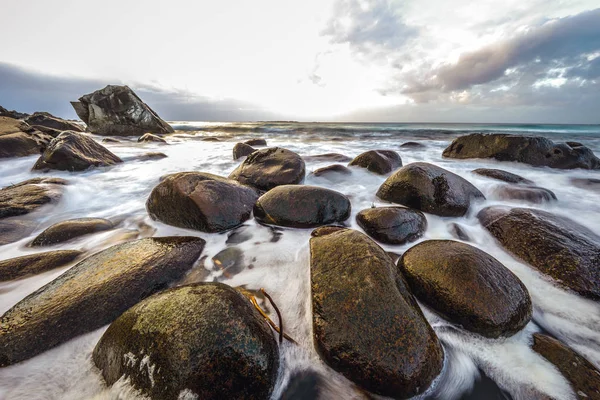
(15,228)
(412,145)
(429,188)
(267,168)
(50,121)
(12,114)
(392,225)
(210,139)
(17,139)
(149,137)
(586,183)
(27,196)
(378,161)
(201,201)
(501,175)
(110,140)
(574,144)
(531,194)
(151,156)
(118,111)
(73,151)
(458,232)
(583,376)
(554,245)
(304,385)
(332,171)
(239,235)
(334,157)
(93,293)
(366,324)
(204,338)
(230,261)
(301,206)
(33,264)
(48,131)
(70,229)
(256,142)
(242,150)
(533,150)
(467,286)
(326,230)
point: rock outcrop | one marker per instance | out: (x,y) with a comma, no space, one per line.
(12,114)
(44,119)
(70,229)
(392,225)
(33,264)
(18,139)
(378,161)
(27,196)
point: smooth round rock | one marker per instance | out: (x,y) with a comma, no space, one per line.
(333,157)
(392,225)
(501,175)
(33,264)
(378,161)
(28,196)
(530,194)
(332,171)
(412,145)
(256,142)
(242,150)
(149,137)
(467,286)
(66,230)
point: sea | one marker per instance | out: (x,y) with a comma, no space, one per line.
(475,367)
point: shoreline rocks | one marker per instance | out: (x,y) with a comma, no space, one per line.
(27,196)
(33,264)
(149,137)
(531,194)
(501,175)
(18,139)
(70,229)
(392,225)
(47,120)
(242,150)
(381,162)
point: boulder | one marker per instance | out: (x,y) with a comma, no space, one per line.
(70,229)
(15,228)
(392,225)
(27,196)
(73,151)
(48,131)
(301,206)
(533,150)
(531,194)
(429,188)
(230,261)
(205,202)
(267,168)
(333,157)
(256,142)
(205,339)
(501,175)
(583,376)
(118,111)
(378,161)
(93,293)
(457,231)
(110,140)
(412,145)
(242,150)
(332,171)
(150,156)
(326,230)
(149,137)
(467,286)
(366,324)
(554,245)
(33,264)
(17,139)
(48,120)
(586,183)
(12,114)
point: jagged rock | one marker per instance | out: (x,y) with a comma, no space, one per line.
(267,168)
(554,245)
(148,137)
(378,161)
(256,142)
(93,293)
(467,286)
(33,264)
(201,201)
(531,194)
(392,225)
(118,111)
(66,230)
(12,114)
(334,157)
(18,139)
(501,175)
(27,196)
(533,150)
(73,151)
(205,339)
(429,188)
(48,131)
(301,206)
(50,121)
(332,171)
(366,324)
(242,150)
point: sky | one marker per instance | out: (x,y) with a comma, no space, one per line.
(534,61)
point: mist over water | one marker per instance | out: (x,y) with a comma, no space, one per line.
(278,259)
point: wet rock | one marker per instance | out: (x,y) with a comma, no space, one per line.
(230,261)
(204,338)
(210,139)
(583,376)
(256,142)
(205,202)
(267,168)
(27,196)
(332,171)
(304,385)
(17,139)
(33,264)
(586,183)
(467,286)
(533,150)
(554,245)
(151,156)
(366,324)
(239,235)
(73,151)
(501,175)
(148,137)
(110,140)
(242,150)
(458,232)
(378,161)
(326,230)
(301,206)
(412,145)
(118,111)
(66,230)
(531,194)
(334,157)
(50,121)
(429,188)
(93,293)
(392,225)
(48,131)
(12,114)
(15,228)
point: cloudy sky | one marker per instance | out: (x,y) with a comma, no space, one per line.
(353,60)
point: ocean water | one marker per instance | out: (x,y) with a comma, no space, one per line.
(475,367)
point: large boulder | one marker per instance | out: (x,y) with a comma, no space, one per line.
(392,225)
(48,120)
(27,196)
(118,111)
(201,201)
(533,150)
(378,161)
(429,188)
(467,286)
(73,151)
(71,229)
(204,339)
(267,168)
(301,206)
(531,194)
(242,150)
(366,324)
(32,264)
(554,245)
(18,139)
(93,293)
(501,175)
